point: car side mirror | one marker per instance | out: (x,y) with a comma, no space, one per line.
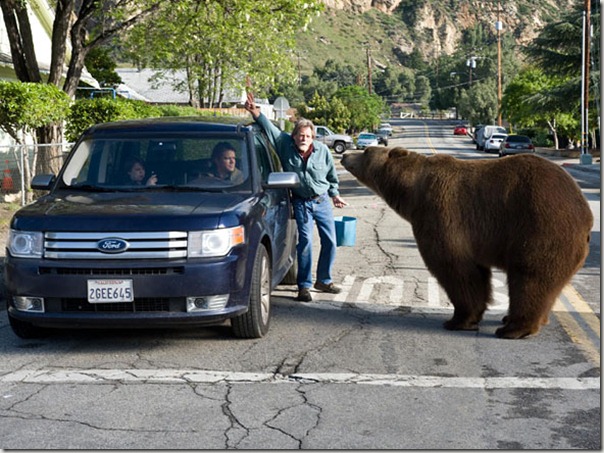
(282,180)
(42,182)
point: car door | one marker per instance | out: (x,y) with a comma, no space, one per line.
(279,211)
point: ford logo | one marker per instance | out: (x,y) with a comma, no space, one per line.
(112,245)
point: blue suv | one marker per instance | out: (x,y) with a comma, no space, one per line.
(184,247)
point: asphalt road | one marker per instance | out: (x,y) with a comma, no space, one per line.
(370,368)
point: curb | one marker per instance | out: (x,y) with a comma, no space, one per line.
(593,168)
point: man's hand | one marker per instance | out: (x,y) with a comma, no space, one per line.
(339,202)
(250,105)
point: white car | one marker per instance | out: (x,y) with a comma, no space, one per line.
(494,142)
(386,126)
(366,139)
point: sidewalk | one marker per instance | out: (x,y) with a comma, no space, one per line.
(571,158)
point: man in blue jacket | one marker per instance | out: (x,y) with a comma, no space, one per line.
(313,163)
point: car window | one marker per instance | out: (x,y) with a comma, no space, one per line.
(518,139)
(181,161)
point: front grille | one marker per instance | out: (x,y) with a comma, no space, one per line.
(149,304)
(144,245)
(115,272)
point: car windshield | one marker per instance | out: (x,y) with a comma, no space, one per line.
(147,162)
(498,137)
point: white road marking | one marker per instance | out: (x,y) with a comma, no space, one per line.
(433,292)
(396,293)
(173,376)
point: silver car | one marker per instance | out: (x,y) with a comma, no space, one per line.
(366,139)
(516,144)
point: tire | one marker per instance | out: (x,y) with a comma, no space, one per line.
(339,147)
(255,321)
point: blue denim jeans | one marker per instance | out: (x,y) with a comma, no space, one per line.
(306,212)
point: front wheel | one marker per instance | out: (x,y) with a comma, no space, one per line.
(339,147)
(255,321)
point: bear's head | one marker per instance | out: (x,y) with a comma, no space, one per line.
(376,163)
(390,172)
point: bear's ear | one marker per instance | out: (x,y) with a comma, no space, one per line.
(398,152)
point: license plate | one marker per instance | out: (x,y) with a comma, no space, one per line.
(105,291)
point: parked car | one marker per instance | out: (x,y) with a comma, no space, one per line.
(476,129)
(386,126)
(366,139)
(494,142)
(516,144)
(485,132)
(338,142)
(460,129)
(382,135)
(194,249)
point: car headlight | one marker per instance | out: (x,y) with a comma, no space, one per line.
(25,244)
(203,244)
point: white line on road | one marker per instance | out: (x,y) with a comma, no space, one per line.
(172,376)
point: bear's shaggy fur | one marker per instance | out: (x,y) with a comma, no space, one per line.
(522,214)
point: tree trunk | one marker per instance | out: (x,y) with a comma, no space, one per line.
(49,158)
(60,31)
(21,42)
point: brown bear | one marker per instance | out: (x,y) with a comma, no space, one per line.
(522,214)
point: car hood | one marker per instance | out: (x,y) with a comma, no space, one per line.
(133,211)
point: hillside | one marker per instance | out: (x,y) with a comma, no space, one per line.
(387,28)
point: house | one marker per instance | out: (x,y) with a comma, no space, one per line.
(41,18)
(142,84)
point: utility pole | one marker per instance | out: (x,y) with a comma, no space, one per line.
(499,26)
(369,82)
(585,157)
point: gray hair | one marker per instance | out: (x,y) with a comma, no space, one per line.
(301,124)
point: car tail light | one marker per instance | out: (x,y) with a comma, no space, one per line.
(531,146)
(507,145)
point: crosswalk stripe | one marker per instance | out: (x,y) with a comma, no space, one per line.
(175,376)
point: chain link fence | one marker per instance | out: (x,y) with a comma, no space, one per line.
(15,160)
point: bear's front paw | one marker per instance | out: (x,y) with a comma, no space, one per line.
(454,324)
(514,333)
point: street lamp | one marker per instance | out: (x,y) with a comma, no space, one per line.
(471,63)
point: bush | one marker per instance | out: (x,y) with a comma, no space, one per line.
(88,112)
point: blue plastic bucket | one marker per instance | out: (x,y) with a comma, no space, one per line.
(346,231)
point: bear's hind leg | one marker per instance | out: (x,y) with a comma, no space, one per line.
(531,300)
(469,289)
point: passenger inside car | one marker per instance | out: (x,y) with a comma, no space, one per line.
(223,167)
(136,173)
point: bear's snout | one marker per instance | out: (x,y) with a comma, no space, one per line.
(349,160)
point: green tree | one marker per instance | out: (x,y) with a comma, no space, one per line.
(26,107)
(365,109)
(479,103)
(333,114)
(529,101)
(219,42)
(87,24)
(102,66)
(557,50)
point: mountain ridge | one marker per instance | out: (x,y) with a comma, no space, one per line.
(391,28)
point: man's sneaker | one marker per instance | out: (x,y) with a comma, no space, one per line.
(304,295)
(328,288)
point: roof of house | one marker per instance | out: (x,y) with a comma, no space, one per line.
(141,84)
